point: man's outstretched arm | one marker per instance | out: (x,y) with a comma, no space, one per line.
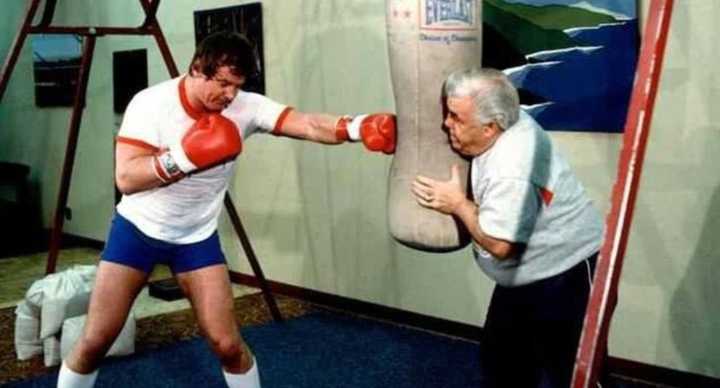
(376,131)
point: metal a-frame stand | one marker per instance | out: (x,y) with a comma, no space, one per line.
(603,295)
(150,26)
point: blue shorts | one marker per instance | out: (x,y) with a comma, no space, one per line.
(127,245)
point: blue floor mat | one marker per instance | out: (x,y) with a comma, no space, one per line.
(317,350)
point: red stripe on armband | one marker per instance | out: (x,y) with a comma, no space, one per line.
(281,121)
(136,143)
(165,168)
(159,171)
(341,132)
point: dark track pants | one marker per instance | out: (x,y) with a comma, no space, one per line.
(531,332)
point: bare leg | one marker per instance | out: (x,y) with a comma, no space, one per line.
(116,287)
(211,296)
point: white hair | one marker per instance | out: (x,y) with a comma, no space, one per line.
(494,96)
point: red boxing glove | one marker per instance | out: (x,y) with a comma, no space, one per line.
(212,140)
(377,131)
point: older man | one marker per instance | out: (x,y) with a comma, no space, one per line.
(535,231)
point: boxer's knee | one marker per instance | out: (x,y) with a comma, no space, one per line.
(89,350)
(232,352)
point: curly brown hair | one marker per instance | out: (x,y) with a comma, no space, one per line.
(224,48)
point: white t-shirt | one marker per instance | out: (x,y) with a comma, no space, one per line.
(186,211)
(526,193)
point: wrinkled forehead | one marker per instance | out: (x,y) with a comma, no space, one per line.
(229,75)
(470,88)
(460,104)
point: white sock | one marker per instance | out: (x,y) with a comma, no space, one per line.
(249,379)
(71,379)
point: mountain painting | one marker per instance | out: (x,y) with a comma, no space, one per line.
(573,61)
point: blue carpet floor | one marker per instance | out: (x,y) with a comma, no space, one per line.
(318,350)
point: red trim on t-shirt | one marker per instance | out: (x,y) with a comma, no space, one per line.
(546,195)
(192,112)
(137,143)
(281,120)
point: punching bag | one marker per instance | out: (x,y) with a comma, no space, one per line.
(427,40)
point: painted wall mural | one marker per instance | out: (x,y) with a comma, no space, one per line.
(573,61)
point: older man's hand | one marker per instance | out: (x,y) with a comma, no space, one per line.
(443,196)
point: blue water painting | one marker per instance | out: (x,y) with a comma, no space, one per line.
(586,87)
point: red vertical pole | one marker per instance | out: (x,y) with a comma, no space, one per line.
(152,24)
(603,295)
(70,148)
(252,259)
(17,45)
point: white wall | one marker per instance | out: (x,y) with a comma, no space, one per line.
(316,215)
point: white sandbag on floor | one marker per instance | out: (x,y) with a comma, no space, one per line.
(27,331)
(61,295)
(51,351)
